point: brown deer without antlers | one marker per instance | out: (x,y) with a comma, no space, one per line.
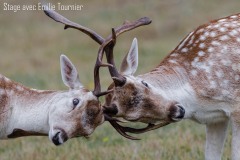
(106,45)
(198,80)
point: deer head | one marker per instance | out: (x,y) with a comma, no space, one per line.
(135,99)
(76,112)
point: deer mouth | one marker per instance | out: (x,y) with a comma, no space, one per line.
(59,137)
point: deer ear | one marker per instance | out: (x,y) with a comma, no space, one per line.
(69,73)
(130,62)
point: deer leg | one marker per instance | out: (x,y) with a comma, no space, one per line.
(235,120)
(215,138)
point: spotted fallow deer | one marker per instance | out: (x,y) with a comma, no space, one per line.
(198,80)
(59,114)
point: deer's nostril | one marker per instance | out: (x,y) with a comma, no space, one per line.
(181,112)
(112,110)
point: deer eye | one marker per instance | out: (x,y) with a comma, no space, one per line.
(145,84)
(75,102)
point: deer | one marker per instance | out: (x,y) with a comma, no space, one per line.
(60,115)
(199,80)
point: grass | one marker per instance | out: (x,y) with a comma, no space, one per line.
(30,46)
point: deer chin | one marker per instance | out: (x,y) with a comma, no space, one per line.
(58,137)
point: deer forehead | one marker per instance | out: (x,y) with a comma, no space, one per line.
(82,93)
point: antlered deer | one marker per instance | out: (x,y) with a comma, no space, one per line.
(198,80)
(59,114)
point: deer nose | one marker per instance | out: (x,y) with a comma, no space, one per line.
(181,112)
(55,139)
(112,110)
(177,112)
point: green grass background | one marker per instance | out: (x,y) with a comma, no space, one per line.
(30,46)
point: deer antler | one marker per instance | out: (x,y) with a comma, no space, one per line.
(69,24)
(107,46)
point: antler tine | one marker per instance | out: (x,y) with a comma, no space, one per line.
(108,46)
(118,79)
(69,24)
(97,85)
(96,37)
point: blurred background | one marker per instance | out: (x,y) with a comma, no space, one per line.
(30,46)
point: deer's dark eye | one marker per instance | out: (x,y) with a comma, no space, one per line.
(145,84)
(75,102)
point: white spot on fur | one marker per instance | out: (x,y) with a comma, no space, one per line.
(202,38)
(238,39)
(174,55)
(184,50)
(2,91)
(211,63)
(172,61)
(225,82)
(206,68)
(203,92)
(196,59)
(213,84)
(216,26)
(193,72)
(213,34)
(236,77)
(224,49)
(225,92)
(224,37)
(222,29)
(201,53)
(19,88)
(235,22)
(233,33)
(201,45)
(220,74)
(216,43)
(234,66)
(226,25)
(233,25)
(210,49)
(206,34)
(225,62)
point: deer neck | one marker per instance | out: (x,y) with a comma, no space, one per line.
(172,83)
(24,111)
